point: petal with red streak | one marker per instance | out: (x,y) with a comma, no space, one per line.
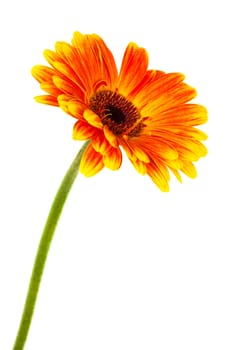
(100,143)
(113,159)
(133,68)
(91,162)
(47,100)
(157,177)
(83,131)
(112,139)
(99,65)
(92,118)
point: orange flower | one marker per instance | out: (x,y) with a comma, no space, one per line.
(145,112)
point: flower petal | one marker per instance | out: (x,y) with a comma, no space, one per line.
(113,159)
(166,92)
(171,146)
(139,166)
(183,114)
(189,169)
(101,144)
(133,68)
(184,131)
(51,57)
(47,100)
(112,139)
(50,88)
(92,118)
(67,87)
(63,101)
(83,131)
(175,164)
(76,108)
(157,176)
(157,85)
(177,174)
(42,73)
(154,147)
(91,162)
(135,150)
(60,69)
(65,70)
(98,65)
(149,78)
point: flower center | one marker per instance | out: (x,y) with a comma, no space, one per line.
(115,114)
(115,111)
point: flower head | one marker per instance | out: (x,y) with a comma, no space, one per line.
(145,112)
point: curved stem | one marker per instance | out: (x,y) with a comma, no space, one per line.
(43,248)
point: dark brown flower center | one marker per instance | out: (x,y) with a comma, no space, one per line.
(118,113)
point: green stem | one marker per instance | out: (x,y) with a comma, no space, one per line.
(43,248)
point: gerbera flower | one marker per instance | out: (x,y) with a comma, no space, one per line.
(145,112)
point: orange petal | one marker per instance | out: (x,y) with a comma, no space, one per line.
(83,131)
(63,101)
(72,67)
(166,92)
(184,114)
(47,100)
(189,169)
(148,79)
(42,73)
(124,143)
(91,162)
(95,60)
(112,139)
(186,147)
(184,131)
(174,164)
(163,150)
(196,148)
(139,166)
(157,177)
(66,86)
(76,108)
(133,68)
(138,152)
(101,144)
(177,174)
(162,168)
(92,118)
(179,95)
(51,57)
(113,159)
(156,86)
(66,71)
(60,48)
(158,147)
(134,150)
(50,88)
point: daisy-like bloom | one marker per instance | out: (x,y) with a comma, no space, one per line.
(145,112)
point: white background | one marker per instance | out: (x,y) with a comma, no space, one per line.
(130,267)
